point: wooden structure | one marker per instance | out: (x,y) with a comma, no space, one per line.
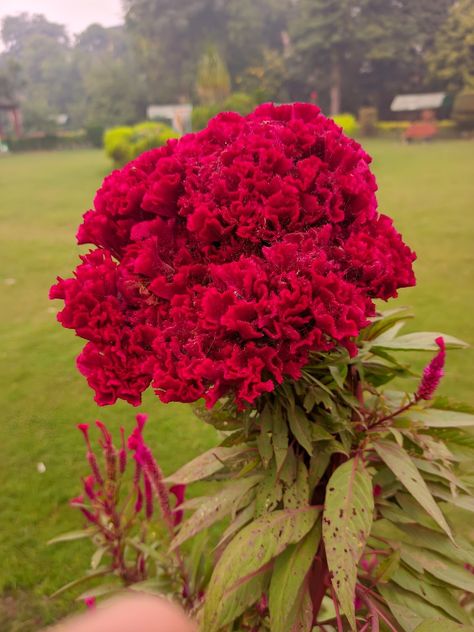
(12,110)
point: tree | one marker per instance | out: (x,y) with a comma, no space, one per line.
(41,50)
(104,64)
(452,60)
(10,80)
(170,37)
(372,48)
(213,79)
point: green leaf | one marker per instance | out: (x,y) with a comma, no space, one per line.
(100,572)
(154,586)
(303,612)
(214,508)
(337,375)
(319,434)
(442,625)
(297,495)
(460,500)
(279,438)
(242,518)
(442,568)
(264,439)
(301,427)
(421,341)
(435,418)
(287,585)
(318,465)
(204,465)
(385,322)
(100,591)
(97,557)
(73,535)
(398,460)
(246,557)
(422,537)
(388,567)
(435,595)
(408,609)
(196,562)
(347,519)
(269,492)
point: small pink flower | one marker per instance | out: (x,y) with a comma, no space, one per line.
(432,373)
(90,602)
(377,491)
(88,483)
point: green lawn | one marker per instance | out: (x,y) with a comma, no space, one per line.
(429,189)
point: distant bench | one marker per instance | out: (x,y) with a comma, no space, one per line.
(420,130)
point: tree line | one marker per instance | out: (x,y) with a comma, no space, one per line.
(342,53)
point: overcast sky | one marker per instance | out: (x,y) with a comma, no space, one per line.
(75,14)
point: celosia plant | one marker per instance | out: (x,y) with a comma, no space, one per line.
(240,266)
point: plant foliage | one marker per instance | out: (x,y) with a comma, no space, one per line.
(339,497)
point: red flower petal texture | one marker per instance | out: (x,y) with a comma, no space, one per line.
(224,258)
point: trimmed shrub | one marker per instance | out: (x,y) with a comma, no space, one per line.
(348,123)
(122,144)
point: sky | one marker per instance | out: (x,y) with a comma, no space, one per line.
(75,14)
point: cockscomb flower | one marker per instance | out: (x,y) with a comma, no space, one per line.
(224,258)
(432,373)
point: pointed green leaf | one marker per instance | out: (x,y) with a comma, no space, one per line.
(421,341)
(419,536)
(214,508)
(442,625)
(297,495)
(388,566)
(385,322)
(301,427)
(347,519)
(97,557)
(399,461)
(242,518)
(196,561)
(73,535)
(442,568)
(248,553)
(204,465)
(460,500)
(100,591)
(436,418)
(279,438)
(264,439)
(408,609)
(269,492)
(100,572)
(435,595)
(288,580)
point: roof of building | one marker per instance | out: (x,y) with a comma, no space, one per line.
(414,102)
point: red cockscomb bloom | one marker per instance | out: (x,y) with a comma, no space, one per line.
(224,258)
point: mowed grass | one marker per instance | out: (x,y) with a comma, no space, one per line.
(428,189)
